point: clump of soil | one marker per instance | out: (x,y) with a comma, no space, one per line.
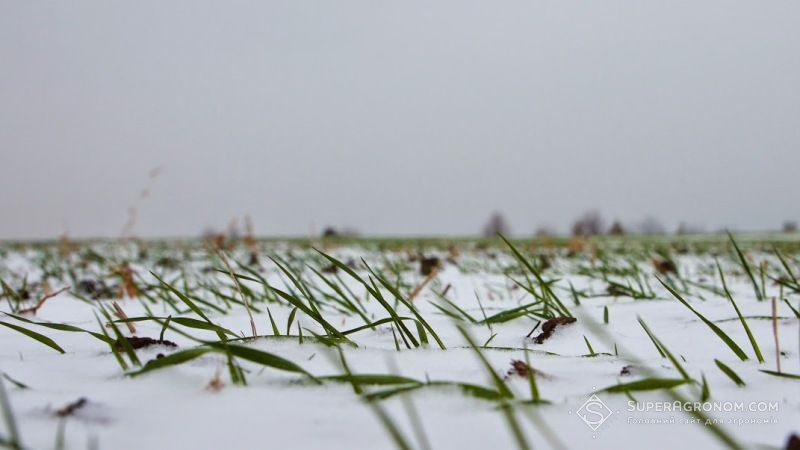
(253,261)
(70,408)
(95,289)
(142,342)
(330,269)
(664,266)
(550,326)
(793,443)
(428,265)
(167,262)
(522,369)
(544,262)
(216,383)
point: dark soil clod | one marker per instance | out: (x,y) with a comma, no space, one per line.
(253,261)
(549,327)
(427,265)
(664,266)
(70,409)
(142,342)
(793,443)
(95,289)
(521,369)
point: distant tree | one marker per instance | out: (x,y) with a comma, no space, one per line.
(496,224)
(330,232)
(544,231)
(591,223)
(616,229)
(345,232)
(790,226)
(685,228)
(651,225)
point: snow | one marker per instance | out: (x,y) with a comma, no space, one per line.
(174,407)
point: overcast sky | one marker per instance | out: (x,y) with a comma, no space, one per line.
(396,118)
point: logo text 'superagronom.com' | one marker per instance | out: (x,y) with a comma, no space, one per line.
(702,406)
(594,412)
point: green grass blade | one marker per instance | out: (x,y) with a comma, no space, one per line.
(164,328)
(275,330)
(34,335)
(648,384)
(781,374)
(796,312)
(173,359)
(14,440)
(591,350)
(187,322)
(746,267)
(290,320)
(531,378)
(183,297)
(721,334)
(63,327)
(750,336)
(371,379)
(729,372)
(663,349)
(121,340)
(261,357)
(546,290)
(705,394)
(498,382)
(407,304)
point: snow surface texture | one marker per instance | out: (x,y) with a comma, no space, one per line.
(179,407)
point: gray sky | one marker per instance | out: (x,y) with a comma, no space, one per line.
(403,118)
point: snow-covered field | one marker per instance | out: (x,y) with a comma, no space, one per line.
(359,367)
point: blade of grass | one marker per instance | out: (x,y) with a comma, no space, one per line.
(14,441)
(648,384)
(746,267)
(173,359)
(275,330)
(35,336)
(721,334)
(750,336)
(729,372)
(663,349)
(62,327)
(498,382)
